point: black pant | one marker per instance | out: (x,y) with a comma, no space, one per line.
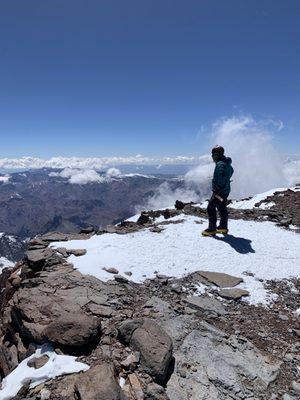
(214,205)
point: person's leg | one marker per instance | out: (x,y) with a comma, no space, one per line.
(222,208)
(212,214)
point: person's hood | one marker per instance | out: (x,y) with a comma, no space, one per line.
(227,160)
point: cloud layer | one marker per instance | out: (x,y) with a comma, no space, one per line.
(92,162)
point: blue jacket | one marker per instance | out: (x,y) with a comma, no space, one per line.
(221,179)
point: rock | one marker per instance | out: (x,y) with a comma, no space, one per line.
(37,242)
(45,394)
(285,222)
(16,281)
(223,368)
(162,276)
(8,358)
(206,303)
(99,383)
(128,273)
(110,229)
(101,311)
(286,396)
(63,251)
(156,229)
(296,386)
(144,219)
(154,344)
(54,237)
(220,279)
(233,294)
(179,205)
(155,347)
(56,307)
(73,332)
(296,332)
(111,270)
(131,360)
(120,279)
(126,329)
(89,229)
(37,258)
(156,392)
(136,387)
(76,252)
(283,317)
(38,362)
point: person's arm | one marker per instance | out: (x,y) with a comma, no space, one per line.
(220,181)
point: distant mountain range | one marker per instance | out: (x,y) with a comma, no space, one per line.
(39,201)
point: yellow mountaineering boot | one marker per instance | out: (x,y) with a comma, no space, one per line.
(223,231)
(209,232)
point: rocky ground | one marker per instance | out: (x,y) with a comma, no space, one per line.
(158,340)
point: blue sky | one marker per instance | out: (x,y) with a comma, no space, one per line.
(121,77)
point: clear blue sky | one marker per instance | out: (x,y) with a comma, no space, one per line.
(121,77)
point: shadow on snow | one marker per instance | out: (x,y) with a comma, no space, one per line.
(240,245)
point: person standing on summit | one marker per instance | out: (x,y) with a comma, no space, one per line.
(221,189)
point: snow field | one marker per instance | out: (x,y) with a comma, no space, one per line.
(261,248)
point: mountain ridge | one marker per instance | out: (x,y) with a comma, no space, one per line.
(168,337)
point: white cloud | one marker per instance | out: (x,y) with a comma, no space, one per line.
(165,197)
(79,176)
(113,172)
(258,165)
(5,178)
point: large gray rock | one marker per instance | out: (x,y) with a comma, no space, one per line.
(154,344)
(58,307)
(219,368)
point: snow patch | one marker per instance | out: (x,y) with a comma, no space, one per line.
(250,203)
(57,365)
(5,263)
(267,205)
(5,178)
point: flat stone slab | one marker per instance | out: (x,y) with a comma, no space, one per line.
(206,303)
(220,279)
(233,294)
